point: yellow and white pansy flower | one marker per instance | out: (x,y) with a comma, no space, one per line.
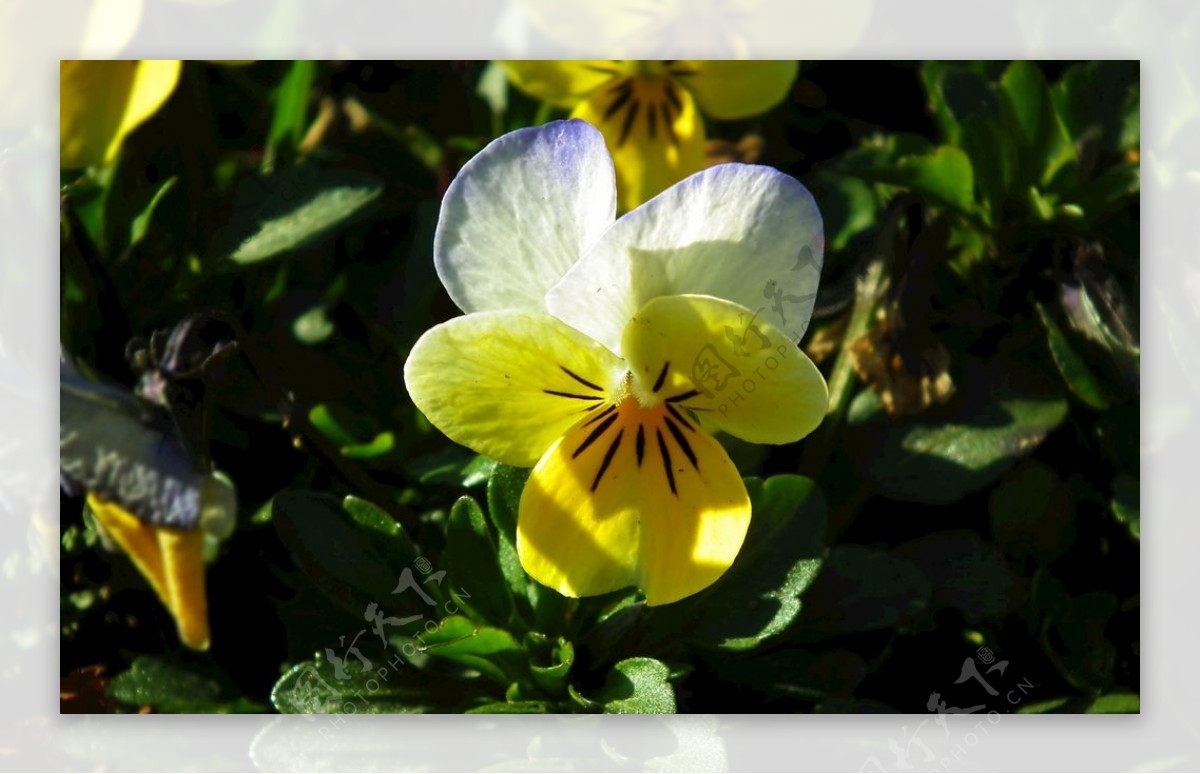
(649,111)
(600,352)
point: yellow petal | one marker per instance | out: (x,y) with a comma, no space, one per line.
(653,131)
(562,83)
(507,384)
(171,560)
(634,497)
(183,567)
(101,102)
(729,89)
(92,100)
(153,82)
(726,362)
(137,539)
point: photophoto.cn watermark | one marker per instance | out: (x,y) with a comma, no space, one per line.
(991,689)
(311,690)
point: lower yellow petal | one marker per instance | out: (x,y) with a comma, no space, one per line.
(171,560)
(653,131)
(560,82)
(507,384)
(731,89)
(183,566)
(726,363)
(632,496)
(137,539)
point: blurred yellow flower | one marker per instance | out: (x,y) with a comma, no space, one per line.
(649,111)
(100,102)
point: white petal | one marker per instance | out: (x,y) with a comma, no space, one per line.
(747,234)
(520,213)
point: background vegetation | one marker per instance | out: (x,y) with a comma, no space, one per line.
(972,497)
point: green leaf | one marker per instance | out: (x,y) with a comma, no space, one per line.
(848,207)
(759,596)
(490,651)
(1110,704)
(944,176)
(141,222)
(460,636)
(1115,704)
(638,686)
(993,157)
(281,213)
(1001,412)
(384,685)
(451,466)
(861,589)
(957,95)
(966,573)
(546,606)
(1101,97)
(394,543)
(1126,503)
(1032,513)
(1074,368)
(553,678)
(154,682)
(472,560)
(290,118)
(337,555)
(1076,643)
(1043,707)
(322,417)
(512,708)
(1031,118)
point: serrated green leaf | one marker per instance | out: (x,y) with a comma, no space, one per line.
(384,685)
(472,559)
(154,682)
(638,686)
(1000,413)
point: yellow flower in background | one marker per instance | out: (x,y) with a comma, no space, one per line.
(602,353)
(650,111)
(100,102)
